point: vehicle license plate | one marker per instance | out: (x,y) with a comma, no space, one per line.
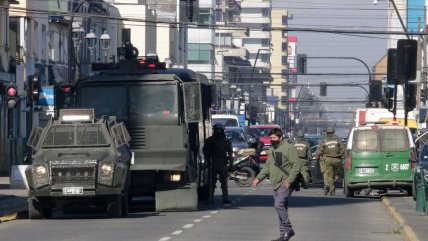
(366,170)
(72,190)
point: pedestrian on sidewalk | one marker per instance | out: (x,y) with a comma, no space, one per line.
(282,167)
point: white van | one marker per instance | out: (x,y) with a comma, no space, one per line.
(225,120)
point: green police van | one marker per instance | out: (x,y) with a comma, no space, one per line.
(378,156)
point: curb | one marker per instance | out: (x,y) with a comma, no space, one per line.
(406,230)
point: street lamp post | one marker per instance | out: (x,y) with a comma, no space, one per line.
(91,40)
(233,93)
(71,36)
(105,44)
(375,2)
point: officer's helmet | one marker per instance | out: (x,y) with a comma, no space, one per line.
(218,129)
(300,134)
(330,130)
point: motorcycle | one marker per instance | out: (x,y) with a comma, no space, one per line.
(244,167)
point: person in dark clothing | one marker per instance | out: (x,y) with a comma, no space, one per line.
(218,151)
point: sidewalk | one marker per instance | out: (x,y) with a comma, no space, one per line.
(414,224)
(13,202)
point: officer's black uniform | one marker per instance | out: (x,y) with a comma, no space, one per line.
(218,150)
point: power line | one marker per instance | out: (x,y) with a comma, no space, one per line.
(214,26)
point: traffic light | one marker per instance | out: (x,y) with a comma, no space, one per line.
(11,96)
(391,73)
(389,98)
(407,53)
(323,89)
(64,96)
(375,90)
(33,88)
(301,63)
(410,97)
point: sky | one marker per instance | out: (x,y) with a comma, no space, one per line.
(358,15)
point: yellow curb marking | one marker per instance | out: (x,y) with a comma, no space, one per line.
(8,217)
(408,232)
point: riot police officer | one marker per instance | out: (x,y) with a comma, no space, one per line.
(330,150)
(304,150)
(218,152)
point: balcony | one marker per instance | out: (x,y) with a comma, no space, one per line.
(254,19)
(259,34)
(254,4)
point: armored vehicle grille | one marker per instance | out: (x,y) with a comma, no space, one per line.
(75,135)
(73,174)
(138,137)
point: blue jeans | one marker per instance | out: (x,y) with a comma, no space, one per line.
(281,196)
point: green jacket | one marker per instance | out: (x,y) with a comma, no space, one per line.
(290,163)
(331,147)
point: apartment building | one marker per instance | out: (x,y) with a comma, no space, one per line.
(256,15)
(201,40)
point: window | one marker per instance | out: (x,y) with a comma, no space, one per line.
(265,12)
(284,60)
(284,20)
(200,53)
(205,17)
(44,41)
(394,140)
(99,98)
(366,140)
(284,47)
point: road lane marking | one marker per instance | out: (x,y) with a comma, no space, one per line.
(197,220)
(206,216)
(177,232)
(214,212)
(165,239)
(188,226)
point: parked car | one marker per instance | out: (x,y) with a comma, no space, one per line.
(237,136)
(378,156)
(423,163)
(262,132)
(225,119)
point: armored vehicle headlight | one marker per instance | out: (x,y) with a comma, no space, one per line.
(176,177)
(40,171)
(106,169)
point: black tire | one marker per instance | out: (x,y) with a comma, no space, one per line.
(125,205)
(251,174)
(114,206)
(414,191)
(409,191)
(47,212)
(34,209)
(349,192)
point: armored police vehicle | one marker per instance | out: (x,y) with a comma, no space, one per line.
(78,159)
(167,114)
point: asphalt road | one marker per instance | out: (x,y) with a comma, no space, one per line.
(251,217)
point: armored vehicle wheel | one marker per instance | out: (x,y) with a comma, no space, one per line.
(349,192)
(34,209)
(249,174)
(114,206)
(125,205)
